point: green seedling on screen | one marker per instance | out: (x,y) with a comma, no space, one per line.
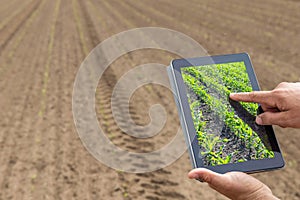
(212,85)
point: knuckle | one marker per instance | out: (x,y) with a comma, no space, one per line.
(264,119)
(283,85)
(277,92)
(207,178)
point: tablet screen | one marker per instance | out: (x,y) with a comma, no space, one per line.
(225,129)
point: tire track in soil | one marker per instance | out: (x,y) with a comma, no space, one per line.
(129,59)
(109,78)
(110,75)
(90,168)
(122,189)
(139,57)
(82,165)
(24,16)
(12,139)
(151,175)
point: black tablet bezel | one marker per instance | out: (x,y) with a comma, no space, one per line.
(247,166)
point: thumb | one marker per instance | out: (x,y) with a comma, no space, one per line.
(222,183)
(273,118)
(234,185)
(212,178)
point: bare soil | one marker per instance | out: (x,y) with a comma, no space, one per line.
(42,44)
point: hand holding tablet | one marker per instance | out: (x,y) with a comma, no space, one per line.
(280,106)
(234,185)
(221,133)
(237,185)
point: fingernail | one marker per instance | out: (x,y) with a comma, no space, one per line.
(258,120)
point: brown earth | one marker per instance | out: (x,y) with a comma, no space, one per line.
(42,44)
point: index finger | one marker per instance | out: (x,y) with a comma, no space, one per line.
(262,97)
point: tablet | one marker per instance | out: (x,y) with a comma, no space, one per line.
(221,134)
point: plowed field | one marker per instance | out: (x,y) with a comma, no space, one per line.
(42,44)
